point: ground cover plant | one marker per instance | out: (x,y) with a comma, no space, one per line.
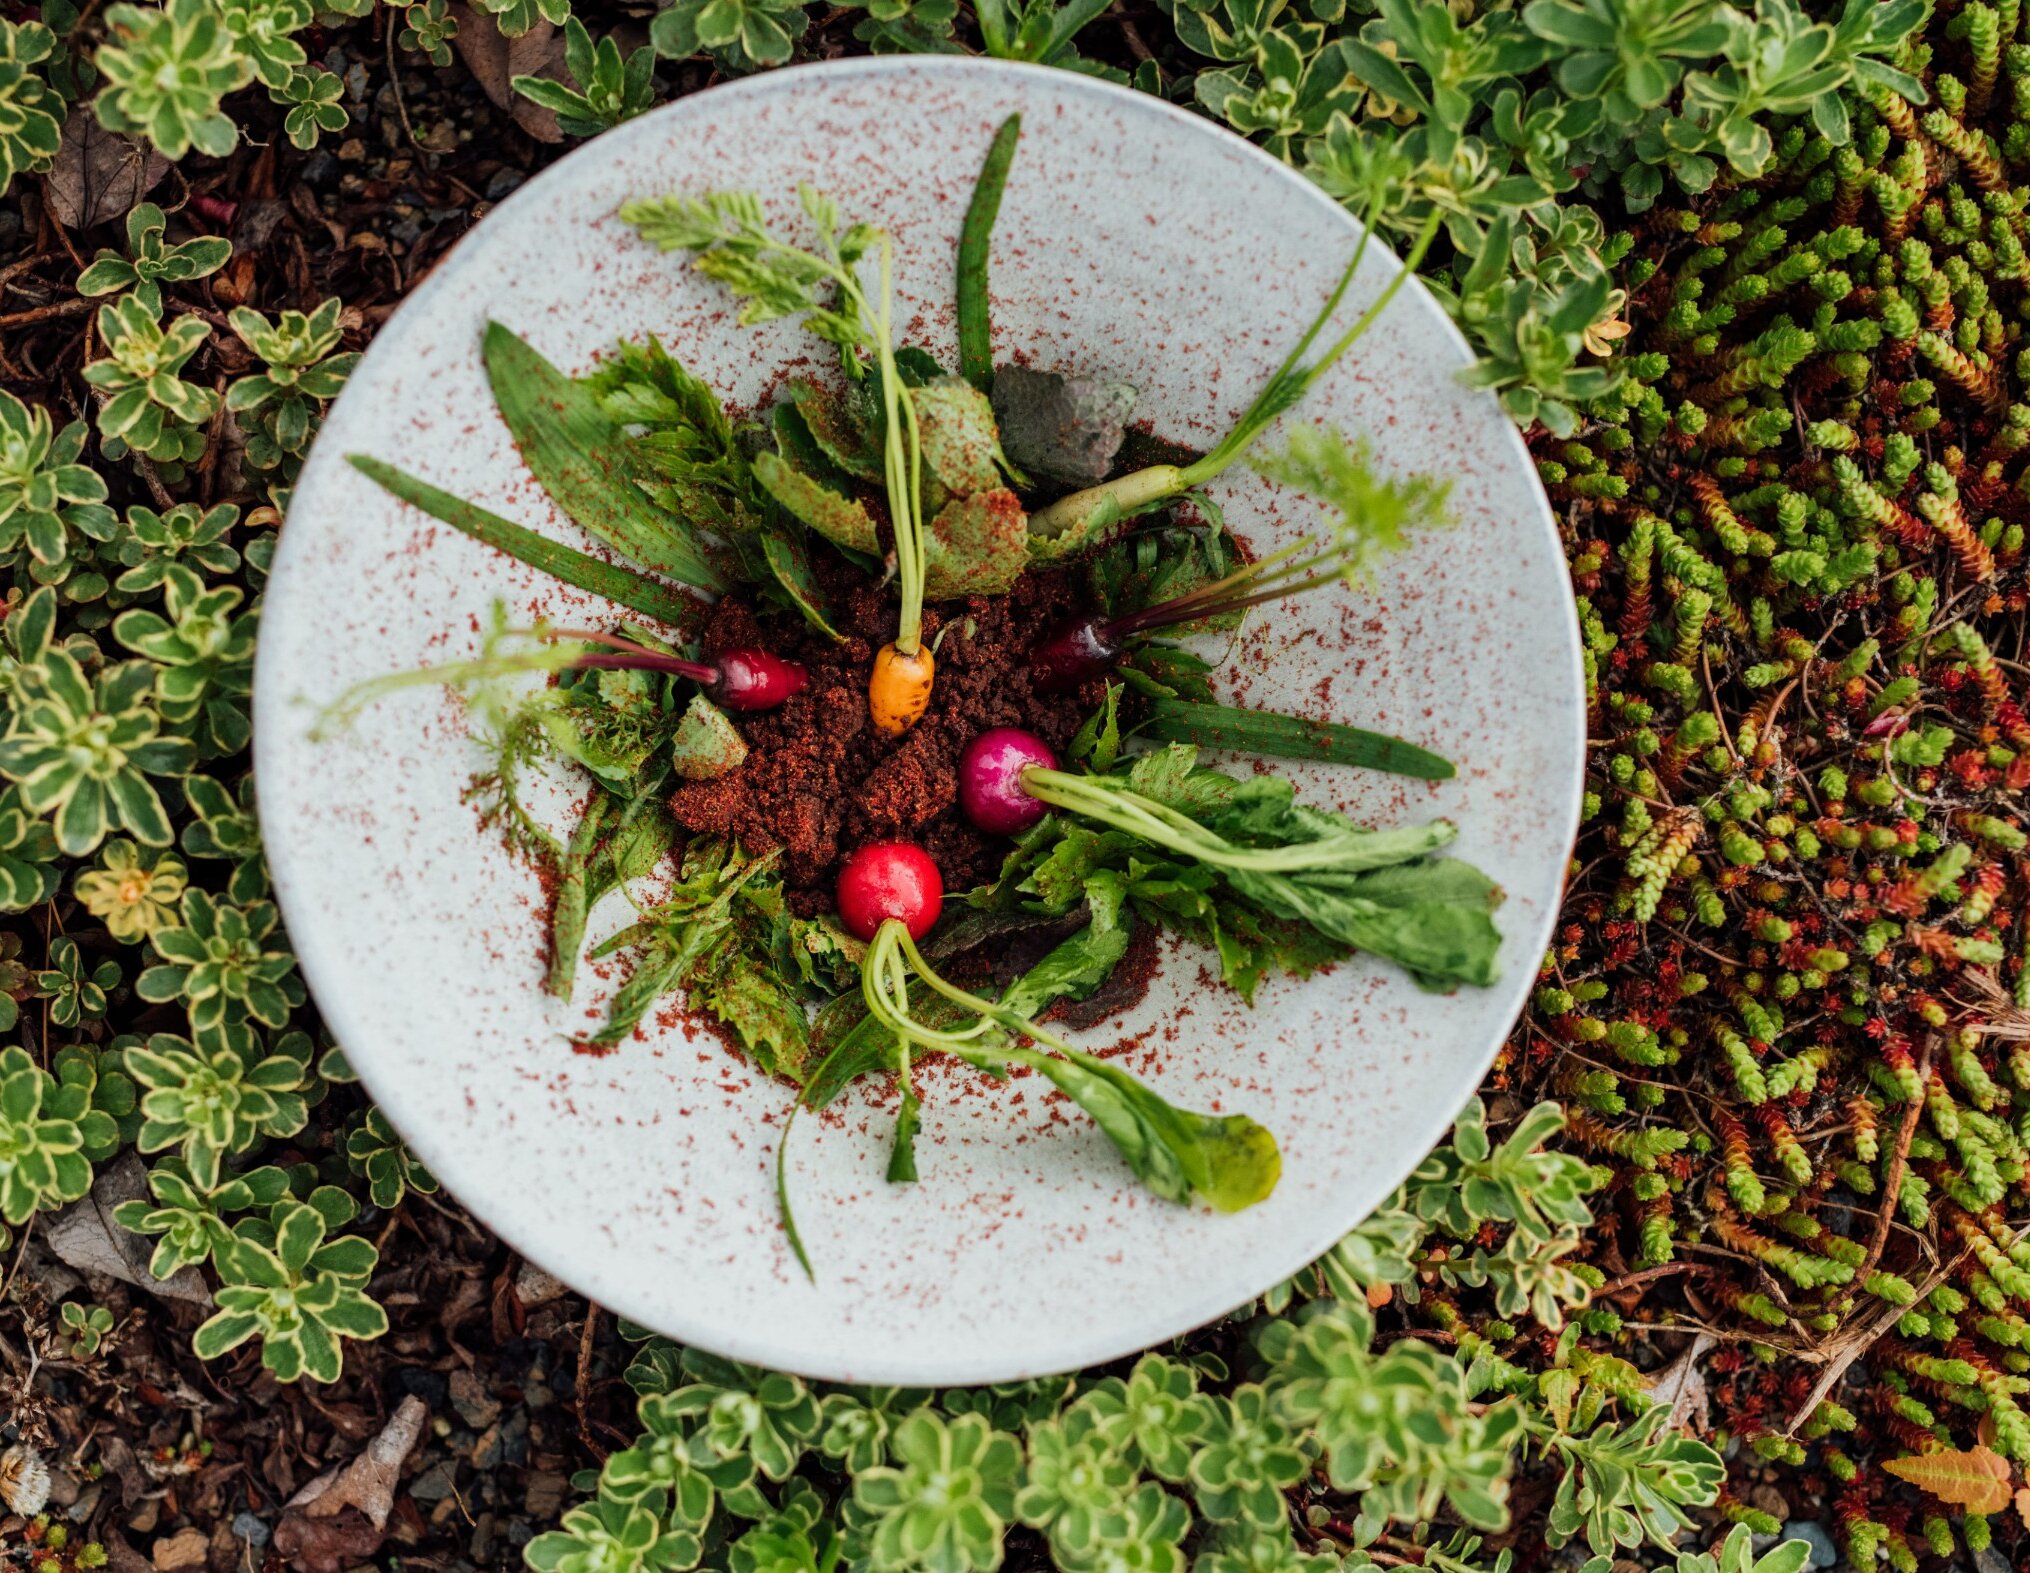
(1725,1271)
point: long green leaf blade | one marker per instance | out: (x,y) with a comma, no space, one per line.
(635,591)
(1290,737)
(581,458)
(976,339)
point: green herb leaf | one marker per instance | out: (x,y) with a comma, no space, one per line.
(976,545)
(976,337)
(840,519)
(706,744)
(1228,1160)
(961,444)
(1288,737)
(582,460)
(567,921)
(637,592)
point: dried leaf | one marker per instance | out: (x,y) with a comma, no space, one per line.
(98,175)
(496,60)
(2023,1505)
(337,1520)
(181,1552)
(327,1545)
(1977,1480)
(1682,1385)
(84,1235)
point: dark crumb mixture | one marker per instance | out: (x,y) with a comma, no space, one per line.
(819,781)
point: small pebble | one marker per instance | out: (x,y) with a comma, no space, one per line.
(1824,1553)
(250,1529)
(475,1406)
(433,1484)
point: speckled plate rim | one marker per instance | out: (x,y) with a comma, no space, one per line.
(1079,1348)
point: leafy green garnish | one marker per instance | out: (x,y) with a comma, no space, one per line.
(1265,732)
(691,462)
(1243,865)
(1374,513)
(575,450)
(637,592)
(838,516)
(725,936)
(1229,1161)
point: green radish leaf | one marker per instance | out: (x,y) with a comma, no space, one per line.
(581,457)
(637,592)
(838,518)
(902,1158)
(976,545)
(1075,967)
(1289,737)
(1228,1160)
(706,744)
(791,564)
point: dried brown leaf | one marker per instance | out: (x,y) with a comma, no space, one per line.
(368,1482)
(98,175)
(84,1235)
(495,60)
(1682,1385)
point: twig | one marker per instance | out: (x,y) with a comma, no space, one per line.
(395,87)
(1899,1160)
(584,1380)
(1858,1342)
(55,309)
(155,487)
(1627,1281)
(20,1255)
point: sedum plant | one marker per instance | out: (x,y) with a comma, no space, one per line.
(279,405)
(301,1292)
(219,1095)
(29,130)
(611,88)
(46,496)
(46,1128)
(147,406)
(167,68)
(151,261)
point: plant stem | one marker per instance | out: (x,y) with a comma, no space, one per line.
(1284,389)
(1344,852)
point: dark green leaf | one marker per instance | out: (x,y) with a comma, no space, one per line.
(650,597)
(581,457)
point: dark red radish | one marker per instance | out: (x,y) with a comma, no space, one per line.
(990,779)
(743,679)
(889,879)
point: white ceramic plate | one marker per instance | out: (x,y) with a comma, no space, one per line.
(1138,241)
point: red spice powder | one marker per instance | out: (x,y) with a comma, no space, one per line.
(819,781)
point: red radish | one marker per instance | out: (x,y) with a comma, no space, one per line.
(744,679)
(990,779)
(890,879)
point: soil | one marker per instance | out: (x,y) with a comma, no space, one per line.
(819,781)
